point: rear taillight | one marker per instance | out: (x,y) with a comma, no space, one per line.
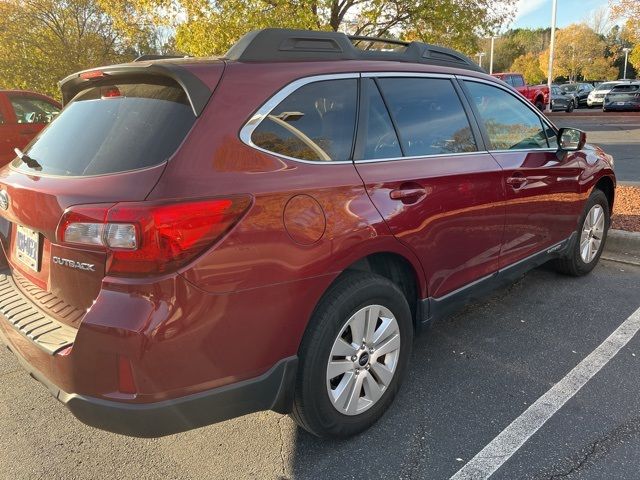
(147,238)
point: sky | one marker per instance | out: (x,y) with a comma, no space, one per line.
(537,13)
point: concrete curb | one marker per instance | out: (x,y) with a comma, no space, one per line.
(622,247)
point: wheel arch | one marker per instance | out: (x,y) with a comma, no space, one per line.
(606,185)
(397,268)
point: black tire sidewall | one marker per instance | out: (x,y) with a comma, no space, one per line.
(321,418)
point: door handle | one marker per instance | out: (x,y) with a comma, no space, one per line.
(408,195)
(517,181)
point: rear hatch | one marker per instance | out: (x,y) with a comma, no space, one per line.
(109,145)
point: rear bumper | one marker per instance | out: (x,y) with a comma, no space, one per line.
(272,390)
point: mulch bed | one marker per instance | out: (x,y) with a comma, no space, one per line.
(626,209)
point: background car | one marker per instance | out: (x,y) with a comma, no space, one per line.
(22,115)
(623,97)
(596,96)
(580,92)
(562,101)
(536,94)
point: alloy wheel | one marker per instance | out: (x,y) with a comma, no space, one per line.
(592,233)
(363,360)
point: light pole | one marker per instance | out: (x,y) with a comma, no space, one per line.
(626,51)
(491,56)
(480,55)
(552,45)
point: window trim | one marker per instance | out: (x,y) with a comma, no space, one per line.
(477,127)
(544,121)
(248,128)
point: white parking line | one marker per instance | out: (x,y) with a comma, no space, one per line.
(502,447)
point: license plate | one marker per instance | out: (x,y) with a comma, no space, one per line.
(28,247)
(620,103)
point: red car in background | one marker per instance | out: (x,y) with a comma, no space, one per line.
(536,94)
(22,115)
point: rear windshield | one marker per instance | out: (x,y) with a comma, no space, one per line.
(625,88)
(110,129)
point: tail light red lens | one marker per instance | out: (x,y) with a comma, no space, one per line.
(149,238)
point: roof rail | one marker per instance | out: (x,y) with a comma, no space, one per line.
(151,56)
(276,44)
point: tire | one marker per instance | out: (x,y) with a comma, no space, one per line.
(315,406)
(539,105)
(570,107)
(574,262)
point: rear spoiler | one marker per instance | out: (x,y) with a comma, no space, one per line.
(197,92)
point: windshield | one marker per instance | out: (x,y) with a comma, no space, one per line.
(110,129)
(569,88)
(606,86)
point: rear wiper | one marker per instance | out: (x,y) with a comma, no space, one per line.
(27,160)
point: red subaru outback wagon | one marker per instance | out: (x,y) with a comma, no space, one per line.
(196,239)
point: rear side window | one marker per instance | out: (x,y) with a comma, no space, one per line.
(380,139)
(316,122)
(429,116)
(518,81)
(509,123)
(33,110)
(110,129)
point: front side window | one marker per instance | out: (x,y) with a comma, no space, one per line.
(316,122)
(429,116)
(33,110)
(509,123)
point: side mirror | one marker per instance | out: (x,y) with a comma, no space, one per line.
(571,139)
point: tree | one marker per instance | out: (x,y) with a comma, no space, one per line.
(515,43)
(634,58)
(577,48)
(599,21)
(206,27)
(629,10)
(529,66)
(42,41)
(600,69)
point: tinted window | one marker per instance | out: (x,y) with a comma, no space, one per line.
(518,81)
(33,110)
(625,88)
(113,129)
(316,122)
(509,123)
(380,139)
(429,116)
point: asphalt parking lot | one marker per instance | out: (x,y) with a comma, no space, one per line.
(470,377)
(617,134)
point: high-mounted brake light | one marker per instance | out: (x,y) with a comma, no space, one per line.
(147,238)
(92,74)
